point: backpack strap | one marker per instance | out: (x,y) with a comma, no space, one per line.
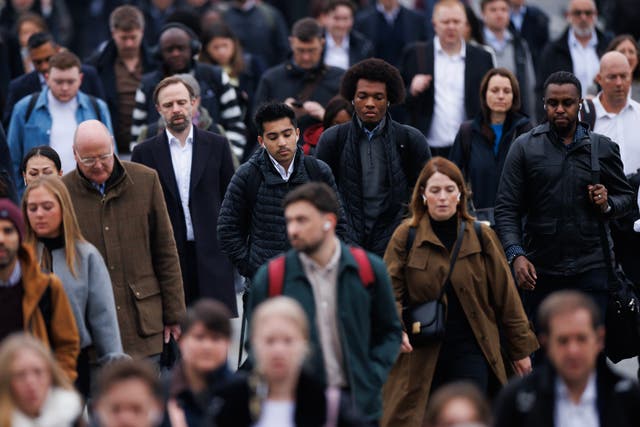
(252,185)
(46,310)
(32,104)
(275,270)
(411,237)
(367,276)
(96,107)
(478,227)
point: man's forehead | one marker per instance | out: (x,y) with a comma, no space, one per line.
(174,36)
(564,90)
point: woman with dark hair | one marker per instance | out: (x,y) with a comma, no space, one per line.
(40,161)
(337,111)
(628,46)
(480,297)
(482,144)
(457,404)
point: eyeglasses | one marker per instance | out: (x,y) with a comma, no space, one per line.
(90,161)
(587,13)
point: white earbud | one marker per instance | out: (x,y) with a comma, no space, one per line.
(326,226)
(459,195)
(424,198)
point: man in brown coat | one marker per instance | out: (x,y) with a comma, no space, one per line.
(122,212)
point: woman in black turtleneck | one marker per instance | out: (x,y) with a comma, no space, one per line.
(481,298)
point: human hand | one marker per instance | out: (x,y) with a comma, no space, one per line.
(525,273)
(172,330)
(598,195)
(405,347)
(314,109)
(522,366)
(420,83)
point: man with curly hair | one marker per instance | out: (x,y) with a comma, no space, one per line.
(374,159)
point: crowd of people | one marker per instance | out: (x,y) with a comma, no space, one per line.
(418,211)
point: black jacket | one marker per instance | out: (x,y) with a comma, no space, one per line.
(418,58)
(530,401)
(104,60)
(473,152)
(535,30)
(250,235)
(544,188)
(406,152)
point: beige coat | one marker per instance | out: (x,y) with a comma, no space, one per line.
(487,293)
(130,227)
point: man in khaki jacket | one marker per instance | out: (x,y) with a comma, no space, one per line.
(122,212)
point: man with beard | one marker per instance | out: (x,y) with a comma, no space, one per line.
(177,45)
(345,292)
(578,49)
(547,190)
(195,168)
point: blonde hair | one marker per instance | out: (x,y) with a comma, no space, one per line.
(9,351)
(70,228)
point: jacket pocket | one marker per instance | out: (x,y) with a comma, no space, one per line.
(147,301)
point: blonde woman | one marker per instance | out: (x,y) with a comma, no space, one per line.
(52,228)
(33,389)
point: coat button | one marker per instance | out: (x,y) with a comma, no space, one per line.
(112,267)
(118,307)
(137,294)
(106,228)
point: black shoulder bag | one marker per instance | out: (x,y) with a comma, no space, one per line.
(425,322)
(622,321)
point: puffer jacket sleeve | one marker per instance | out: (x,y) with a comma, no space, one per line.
(510,200)
(234,220)
(101,309)
(64,332)
(521,340)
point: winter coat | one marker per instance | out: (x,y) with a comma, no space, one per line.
(473,153)
(547,183)
(482,282)
(91,298)
(369,328)
(406,153)
(130,227)
(61,334)
(251,234)
(530,401)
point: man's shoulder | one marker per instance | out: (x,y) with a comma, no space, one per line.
(477,53)
(29,81)
(277,71)
(333,73)
(151,79)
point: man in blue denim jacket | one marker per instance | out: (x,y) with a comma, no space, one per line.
(51,117)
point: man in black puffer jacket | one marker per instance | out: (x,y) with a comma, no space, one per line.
(251,225)
(375,160)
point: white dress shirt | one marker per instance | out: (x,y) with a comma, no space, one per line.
(284,173)
(623,128)
(586,63)
(337,55)
(277,413)
(448,111)
(181,158)
(63,126)
(581,414)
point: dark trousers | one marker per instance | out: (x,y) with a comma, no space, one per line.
(592,282)
(83,367)
(461,363)
(190,274)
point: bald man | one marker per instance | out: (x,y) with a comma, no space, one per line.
(121,210)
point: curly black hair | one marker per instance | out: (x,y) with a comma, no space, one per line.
(376,70)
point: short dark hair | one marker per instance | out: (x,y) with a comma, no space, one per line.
(124,370)
(38,39)
(376,70)
(333,107)
(562,78)
(484,87)
(126,18)
(213,314)
(168,81)
(65,60)
(272,111)
(319,194)
(483,3)
(331,5)
(562,302)
(307,29)
(44,151)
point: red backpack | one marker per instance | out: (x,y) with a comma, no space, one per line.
(276,269)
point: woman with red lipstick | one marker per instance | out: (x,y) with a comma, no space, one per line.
(482,144)
(480,297)
(52,228)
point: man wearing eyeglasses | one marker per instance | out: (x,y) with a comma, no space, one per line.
(578,49)
(51,116)
(547,190)
(121,210)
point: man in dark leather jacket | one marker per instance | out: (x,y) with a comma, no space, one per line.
(548,208)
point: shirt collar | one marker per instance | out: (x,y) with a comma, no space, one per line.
(589,395)
(573,41)
(520,12)
(14,278)
(601,112)
(248,5)
(493,41)
(332,44)
(389,16)
(438,48)
(285,174)
(332,264)
(173,140)
(375,131)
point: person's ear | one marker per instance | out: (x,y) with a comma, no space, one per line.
(260,141)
